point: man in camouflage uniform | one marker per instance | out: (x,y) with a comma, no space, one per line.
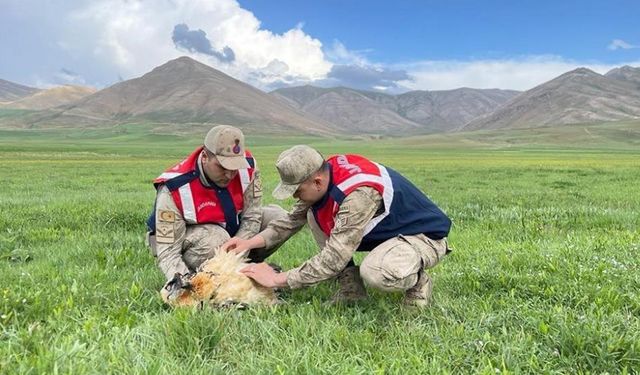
(211,196)
(353,204)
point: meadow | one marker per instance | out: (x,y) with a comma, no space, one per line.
(544,276)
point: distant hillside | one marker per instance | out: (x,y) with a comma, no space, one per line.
(625,73)
(449,109)
(413,112)
(186,91)
(579,96)
(183,94)
(10,91)
(618,135)
(352,110)
(51,98)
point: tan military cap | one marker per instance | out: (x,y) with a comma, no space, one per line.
(227,143)
(295,165)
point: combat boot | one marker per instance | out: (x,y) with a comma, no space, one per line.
(350,287)
(420,294)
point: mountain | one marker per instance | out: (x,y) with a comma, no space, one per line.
(448,109)
(625,73)
(186,91)
(353,111)
(51,98)
(359,111)
(579,96)
(10,91)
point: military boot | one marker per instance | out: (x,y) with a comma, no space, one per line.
(350,287)
(420,294)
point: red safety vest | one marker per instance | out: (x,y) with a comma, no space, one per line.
(199,204)
(349,172)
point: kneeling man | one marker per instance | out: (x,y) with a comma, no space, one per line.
(353,204)
(206,199)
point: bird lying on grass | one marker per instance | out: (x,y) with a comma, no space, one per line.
(218,283)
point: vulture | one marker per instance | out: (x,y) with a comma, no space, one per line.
(218,283)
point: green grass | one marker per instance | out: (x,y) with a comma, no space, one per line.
(9,113)
(544,277)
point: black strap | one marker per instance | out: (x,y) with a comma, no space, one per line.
(337,194)
(229,209)
(176,182)
(251,161)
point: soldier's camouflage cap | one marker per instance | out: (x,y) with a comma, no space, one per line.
(295,165)
(227,143)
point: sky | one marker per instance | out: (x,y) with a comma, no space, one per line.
(389,46)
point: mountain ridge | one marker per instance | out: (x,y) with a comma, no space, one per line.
(10,91)
(414,111)
(184,91)
(578,96)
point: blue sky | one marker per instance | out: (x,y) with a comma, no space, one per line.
(391,46)
(393,31)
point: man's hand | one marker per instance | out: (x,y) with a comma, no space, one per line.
(263,274)
(238,245)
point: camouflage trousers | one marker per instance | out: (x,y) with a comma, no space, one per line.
(395,264)
(201,240)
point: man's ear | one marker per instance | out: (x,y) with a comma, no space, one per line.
(318,180)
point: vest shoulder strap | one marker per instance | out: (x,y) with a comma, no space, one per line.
(251,161)
(337,194)
(179,181)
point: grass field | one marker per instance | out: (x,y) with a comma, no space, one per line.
(544,277)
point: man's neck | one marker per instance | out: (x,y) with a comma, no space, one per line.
(203,175)
(326,180)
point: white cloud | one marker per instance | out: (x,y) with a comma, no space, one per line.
(135,36)
(105,39)
(620,44)
(516,74)
(339,54)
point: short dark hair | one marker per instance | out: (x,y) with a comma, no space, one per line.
(209,152)
(323,167)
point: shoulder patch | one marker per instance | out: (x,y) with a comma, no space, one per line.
(342,221)
(166,216)
(257,185)
(165,232)
(342,216)
(257,189)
